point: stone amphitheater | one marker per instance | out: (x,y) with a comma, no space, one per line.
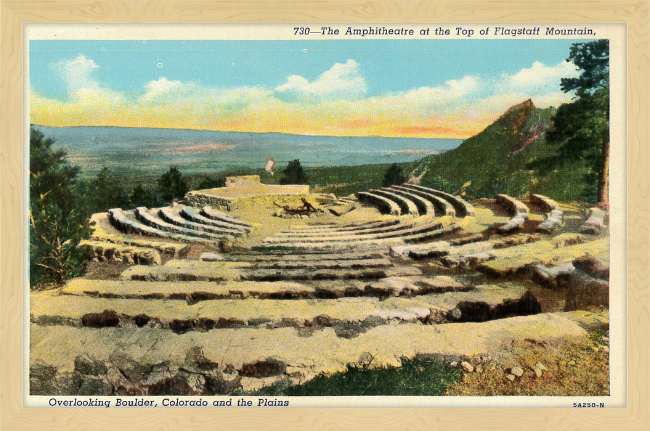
(253,285)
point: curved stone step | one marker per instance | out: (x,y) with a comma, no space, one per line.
(431,234)
(122,222)
(399,231)
(514,206)
(463,208)
(341,233)
(266,257)
(424,206)
(216,215)
(295,230)
(167,215)
(104,231)
(323,264)
(192,215)
(383,204)
(143,215)
(406,205)
(554,218)
(346,227)
(329,235)
(443,206)
(514,223)
(552,222)
(545,202)
(517,209)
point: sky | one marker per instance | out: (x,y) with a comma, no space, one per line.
(397,88)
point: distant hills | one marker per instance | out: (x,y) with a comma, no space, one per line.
(507,157)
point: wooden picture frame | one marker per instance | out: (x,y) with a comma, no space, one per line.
(14,14)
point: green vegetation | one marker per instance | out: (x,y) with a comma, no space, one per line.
(211,183)
(394,175)
(171,185)
(495,160)
(57,219)
(102,192)
(143,196)
(294,174)
(561,153)
(414,377)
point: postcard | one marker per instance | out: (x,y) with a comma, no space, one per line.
(330,215)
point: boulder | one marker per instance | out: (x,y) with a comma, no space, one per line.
(108,318)
(95,386)
(339,210)
(196,362)
(553,276)
(593,267)
(586,292)
(211,257)
(266,368)
(170,386)
(87,365)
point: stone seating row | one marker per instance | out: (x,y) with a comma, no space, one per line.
(216,215)
(125,224)
(385,205)
(345,245)
(407,206)
(192,215)
(142,214)
(399,231)
(340,233)
(351,227)
(167,215)
(463,208)
(409,199)
(443,207)
(514,206)
(517,209)
(554,216)
(424,206)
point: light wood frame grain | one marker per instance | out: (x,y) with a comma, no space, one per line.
(14,14)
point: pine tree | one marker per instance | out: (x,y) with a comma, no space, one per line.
(294,174)
(57,219)
(171,185)
(394,175)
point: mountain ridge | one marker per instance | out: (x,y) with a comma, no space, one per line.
(503,158)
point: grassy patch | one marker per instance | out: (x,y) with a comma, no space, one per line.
(414,377)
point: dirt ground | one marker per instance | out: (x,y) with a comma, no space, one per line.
(568,368)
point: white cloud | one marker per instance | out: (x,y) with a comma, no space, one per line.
(427,101)
(77,72)
(453,90)
(540,78)
(342,80)
(160,87)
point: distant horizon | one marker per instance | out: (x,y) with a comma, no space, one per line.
(255,133)
(139,151)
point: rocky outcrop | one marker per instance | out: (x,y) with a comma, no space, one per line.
(595,223)
(109,252)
